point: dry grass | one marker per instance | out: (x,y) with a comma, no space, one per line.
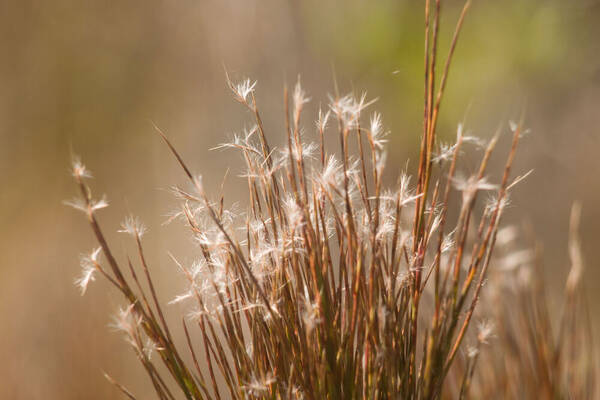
(331,286)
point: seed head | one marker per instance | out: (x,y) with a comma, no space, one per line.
(79,170)
(242,90)
(133,226)
(89,265)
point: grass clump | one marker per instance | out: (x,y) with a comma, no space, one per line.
(333,286)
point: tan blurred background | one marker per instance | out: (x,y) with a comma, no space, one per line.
(89,77)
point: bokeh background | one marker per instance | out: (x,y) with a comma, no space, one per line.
(90,78)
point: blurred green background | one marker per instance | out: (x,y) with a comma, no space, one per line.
(90,77)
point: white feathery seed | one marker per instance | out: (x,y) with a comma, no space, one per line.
(133,226)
